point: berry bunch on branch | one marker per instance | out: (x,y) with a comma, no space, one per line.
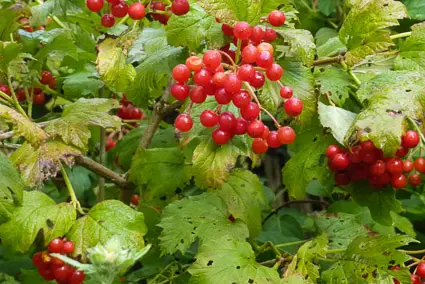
(235,80)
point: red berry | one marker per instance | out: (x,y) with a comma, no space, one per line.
(270,35)
(286,135)
(95,5)
(219,79)
(415,279)
(183,122)
(135,198)
(259,146)
(264,59)
(39,99)
(212,59)
(410,139)
(55,246)
(246,72)
(198,95)
(241,99)
(342,178)
(221,137)
(368,157)
(367,146)
(222,97)
(136,11)
(256,129)
(276,18)
(332,150)
(402,152)
(180,7)
(181,73)
(5,89)
(108,20)
(415,180)
(241,126)
(208,118)
(378,168)
(258,80)
(355,155)
(46,273)
(340,161)
(110,144)
(394,166)
(242,30)
(227,121)
(77,277)
(56,263)
(257,34)
(398,181)
(273,140)
(62,274)
(266,132)
(20,94)
(249,54)
(420,165)
(233,84)
(293,106)
(37,259)
(114,2)
(227,30)
(420,270)
(119,10)
(202,77)
(251,111)
(180,91)
(408,166)
(68,247)
(275,72)
(194,63)
(46,76)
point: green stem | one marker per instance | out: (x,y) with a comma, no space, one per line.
(326,259)
(355,78)
(59,22)
(4,102)
(266,246)
(332,251)
(15,99)
(406,34)
(29,100)
(290,244)
(74,200)
(238,51)
(6,97)
(101,192)
(417,128)
(414,251)
(123,20)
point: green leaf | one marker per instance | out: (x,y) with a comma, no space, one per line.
(365,29)
(335,83)
(244,195)
(340,228)
(389,98)
(73,126)
(60,43)
(379,202)
(307,163)
(412,51)
(39,164)
(82,83)
(327,7)
(23,126)
(157,61)
(194,29)
(226,260)
(403,224)
(294,279)
(38,213)
(337,119)
(41,12)
(324,34)
(11,188)
(332,47)
(204,216)
(281,230)
(374,64)
(115,72)
(106,220)
(9,51)
(269,96)
(9,20)
(368,258)
(299,44)
(162,170)
(232,11)
(416,9)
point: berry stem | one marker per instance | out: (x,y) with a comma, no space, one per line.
(29,98)
(350,72)
(60,23)
(228,57)
(266,246)
(401,35)
(159,12)
(417,129)
(238,50)
(123,20)
(74,200)
(414,251)
(336,59)
(15,99)
(4,102)
(271,116)
(291,244)
(6,97)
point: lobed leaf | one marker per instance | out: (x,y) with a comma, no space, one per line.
(335,84)
(412,51)
(337,119)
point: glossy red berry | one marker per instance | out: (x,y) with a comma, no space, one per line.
(241,99)
(420,270)
(52,83)
(270,35)
(273,140)
(232,84)
(136,11)
(55,246)
(5,89)
(286,135)
(241,126)
(62,274)
(227,121)
(77,277)
(355,155)
(212,59)
(340,161)
(46,76)
(257,34)
(110,144)
(415,279)
(119,10)
(219,79)
(394,166)
(180,91)
(198,95)
(259,146)
(408,166)
(222,97)
(264,59)
(410,139)
(420,165)
(181,73)
(256,129)
(378,168)
(194,63)
(367,146)
(183,122)
(251,111)
(402,152)
(202,77)
(266,132)
(415,180)
(37,259)
(242,30)
(293,107)
(208,118)
(274,72)
(227,30)
(68,247)
(20,94)
(332,150)
(398,181)
(246,72)
(249,54)
(258,80)
(342,178)
(46,273)
(135,198)
(56,263)
(276,18)
(95,5)
(221,137)
(180,7)
(108,20)
(39,99)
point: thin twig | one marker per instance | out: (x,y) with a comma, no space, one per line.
(324,203)
(336,59)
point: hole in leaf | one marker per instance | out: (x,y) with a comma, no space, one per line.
(210,263)
(238,267)
(50,224)
(182,241)
(163,198)
(250,281)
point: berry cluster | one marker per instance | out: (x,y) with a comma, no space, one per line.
(366,162)
(26,25)
(236,82)
(51,268)
(136,11)
(416,277)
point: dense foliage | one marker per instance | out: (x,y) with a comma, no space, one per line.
(212,141)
